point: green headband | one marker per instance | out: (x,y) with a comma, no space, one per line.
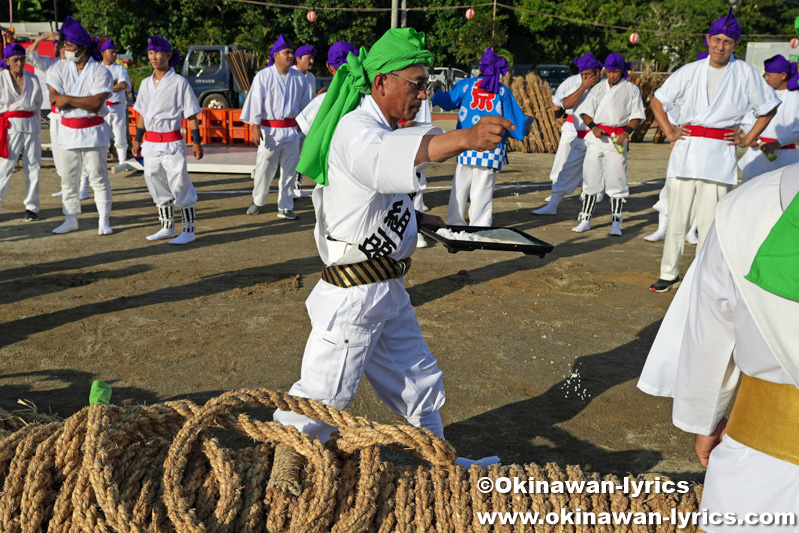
(397,49)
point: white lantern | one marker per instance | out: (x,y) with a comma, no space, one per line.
(469,13)
(634,38)
(311,16)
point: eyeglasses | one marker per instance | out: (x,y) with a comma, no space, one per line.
(420,86)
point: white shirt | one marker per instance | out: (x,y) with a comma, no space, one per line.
(566,89)
(613,106)
(310,79)
(119,73)
(29,100)
(370,168)
(38,61)
(163,108)
(276,97)
(714,77)
(95,79)
(742,90)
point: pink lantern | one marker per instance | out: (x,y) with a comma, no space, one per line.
(311,16)
(469,13)
(794,42)
(634,38)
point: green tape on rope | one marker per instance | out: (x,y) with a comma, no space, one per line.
(100,393)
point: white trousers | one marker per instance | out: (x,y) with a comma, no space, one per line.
(94,161)
(475,184)
(117,119)
(688,199)
(567,170)
(358,341)
(271,156)
(604,168)
(29,145)
(55,124)
(167,178)
(741,480)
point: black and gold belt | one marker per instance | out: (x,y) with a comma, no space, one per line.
(365,272)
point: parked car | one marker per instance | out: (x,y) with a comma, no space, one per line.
(446,77)
(553,74)
(210,77)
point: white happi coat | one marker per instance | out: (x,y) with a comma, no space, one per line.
(310,80)
(742,90)
(272,97)
(732,325)
(94,79)
(368,329)
(784,127)
(30,100)
(568,165)
(120,74)
(163,109)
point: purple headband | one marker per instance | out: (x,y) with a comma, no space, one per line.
(13,49)
(778,63)
(3,65)
(337,54)
(492,67)
(587,62)
(728,26)
(701,55)
(108,44)
(793,83)
(616,62)
(281,44)
(159,44)
(305,50)
(72,32)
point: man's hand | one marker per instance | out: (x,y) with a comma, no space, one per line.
(678,134)
(622,137)
(135,148)
(323,90)
(589,82)
(598,132)
(735,138)
(433,220)
(256,135)
(770,147)
(197,150)
(60,101)
(706,443)
(488,133)
(50,35)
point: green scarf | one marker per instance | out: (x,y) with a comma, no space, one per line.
(397,49)
(776,265)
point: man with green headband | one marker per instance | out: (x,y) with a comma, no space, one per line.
(362,318)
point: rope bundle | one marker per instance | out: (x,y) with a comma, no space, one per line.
(176,467)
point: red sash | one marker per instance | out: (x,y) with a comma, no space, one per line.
(786,147)
(709,133)
(54,109)
(109,102)
(164,137)
(285,123)
(610,130)
(82,122)
(5,124)
(580,133)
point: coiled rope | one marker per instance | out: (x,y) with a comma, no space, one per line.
(176,467)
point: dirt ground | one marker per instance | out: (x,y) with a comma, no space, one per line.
(540,356)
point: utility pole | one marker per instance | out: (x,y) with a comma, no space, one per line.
(394,13)
(494,20)
(55,13)
(404,16)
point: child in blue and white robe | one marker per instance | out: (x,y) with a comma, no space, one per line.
(476,172)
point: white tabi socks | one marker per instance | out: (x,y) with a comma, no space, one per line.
(692,237)
(70,224)
(660,233)
(166,215)
(104,223)
(589,202)
(187,235)
(552,207)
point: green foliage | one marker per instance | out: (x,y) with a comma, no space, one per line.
(454,40)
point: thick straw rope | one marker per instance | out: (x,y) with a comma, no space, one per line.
(163,468)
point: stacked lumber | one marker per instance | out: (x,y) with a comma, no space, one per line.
(535,98)
(648,82)
(244,66)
